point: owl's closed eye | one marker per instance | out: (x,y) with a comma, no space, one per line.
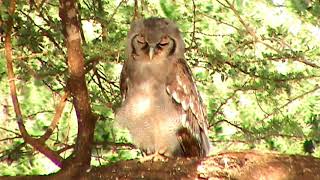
(153,47)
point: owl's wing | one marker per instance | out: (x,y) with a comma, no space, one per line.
(124,82)
(181,87)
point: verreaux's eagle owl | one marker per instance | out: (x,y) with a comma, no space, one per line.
(161,106)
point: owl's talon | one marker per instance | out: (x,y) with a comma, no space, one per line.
(154,157)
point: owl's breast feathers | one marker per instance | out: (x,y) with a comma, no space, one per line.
(177,85)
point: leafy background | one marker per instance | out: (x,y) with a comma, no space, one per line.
(256,64)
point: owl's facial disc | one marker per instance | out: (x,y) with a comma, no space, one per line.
(140,39)
(153,47)
(158,47)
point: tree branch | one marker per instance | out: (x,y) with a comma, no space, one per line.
(290,101)
(256,38)
(136,14)
(227,165)
(56,118)
(26,137)
(45,32)
(193,38)
(227,99)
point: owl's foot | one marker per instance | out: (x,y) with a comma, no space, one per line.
(154,157)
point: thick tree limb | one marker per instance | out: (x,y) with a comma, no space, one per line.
(77,87)
(225,166)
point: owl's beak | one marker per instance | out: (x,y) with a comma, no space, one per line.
(151,52)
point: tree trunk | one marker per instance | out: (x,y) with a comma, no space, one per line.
(79,92)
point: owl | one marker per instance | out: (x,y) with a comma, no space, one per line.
(161,106)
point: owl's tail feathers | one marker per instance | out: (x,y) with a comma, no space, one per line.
(191,146)
(205,143)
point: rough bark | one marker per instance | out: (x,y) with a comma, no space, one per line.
(76,86)
(78,89)
(231,165)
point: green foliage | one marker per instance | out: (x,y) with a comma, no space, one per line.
(256,64)
(170,9)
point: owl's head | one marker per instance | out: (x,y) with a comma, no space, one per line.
(154,39)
